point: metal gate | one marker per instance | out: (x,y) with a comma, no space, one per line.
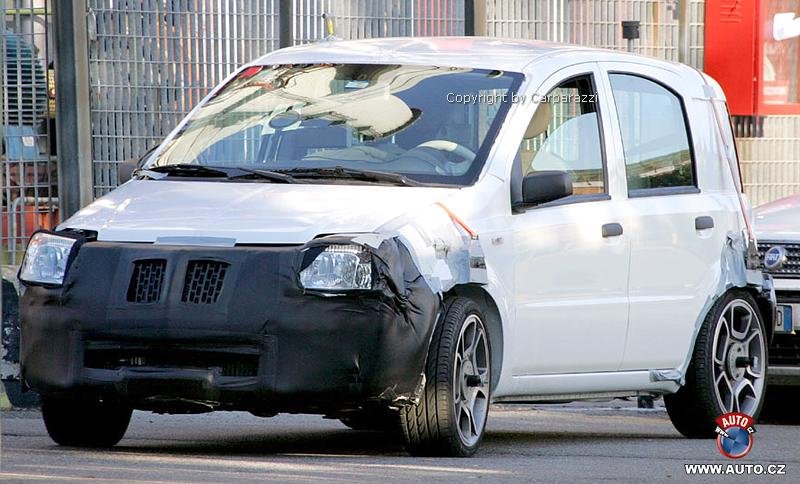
(151,61)
(597,23)
(771,162)
(27,155)
(363,19)
(27,164)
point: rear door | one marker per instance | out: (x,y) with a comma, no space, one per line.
(677,231)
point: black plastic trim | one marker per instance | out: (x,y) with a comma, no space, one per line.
(663,192)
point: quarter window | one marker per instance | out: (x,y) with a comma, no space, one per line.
(564,135)
(654,135)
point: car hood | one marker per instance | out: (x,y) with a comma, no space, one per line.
(779,220)
(250,213)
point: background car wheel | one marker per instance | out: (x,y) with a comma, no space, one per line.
(85,423)
(451,416)
(727,372)
(377,420)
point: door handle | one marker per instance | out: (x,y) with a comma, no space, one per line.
(704,222)
(612,230)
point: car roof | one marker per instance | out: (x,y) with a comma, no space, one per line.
(516,55)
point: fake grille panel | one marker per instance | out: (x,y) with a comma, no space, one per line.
(791,268)
(204,279)
(146,281)
(228,364)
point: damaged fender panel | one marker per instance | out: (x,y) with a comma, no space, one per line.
(733,273)
(261,342)
(446,251)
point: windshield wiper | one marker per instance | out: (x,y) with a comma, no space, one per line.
(263,174)
(352,174)
(207,171)
(185,170)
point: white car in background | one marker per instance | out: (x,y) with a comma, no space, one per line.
(401,231)
(777,227)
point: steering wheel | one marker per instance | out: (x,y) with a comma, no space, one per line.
(461,151)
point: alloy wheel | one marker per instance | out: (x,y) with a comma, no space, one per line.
(471,380)
(739,355)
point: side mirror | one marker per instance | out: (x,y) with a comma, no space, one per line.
(545,186)
(126,168)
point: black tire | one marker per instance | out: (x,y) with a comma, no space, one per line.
(374,420)
(430,428)
(696,405)
(85,423)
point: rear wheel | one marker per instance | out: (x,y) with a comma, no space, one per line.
(451,416)
(727,372)
(85,423)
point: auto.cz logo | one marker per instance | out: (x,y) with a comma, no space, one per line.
(735,434)
(735,469)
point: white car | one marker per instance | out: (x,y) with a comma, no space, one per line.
(777,226)
(407,230)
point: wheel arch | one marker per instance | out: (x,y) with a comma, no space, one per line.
(494,323)
(766,308)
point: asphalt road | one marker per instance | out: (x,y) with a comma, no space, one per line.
(566,443)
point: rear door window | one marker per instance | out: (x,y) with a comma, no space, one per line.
(655,137)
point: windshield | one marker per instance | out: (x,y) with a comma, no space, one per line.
(430,124)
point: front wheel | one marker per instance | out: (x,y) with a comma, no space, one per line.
(450,418)
(85,423)
(727,372)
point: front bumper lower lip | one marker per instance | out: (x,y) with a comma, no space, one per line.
(314,354)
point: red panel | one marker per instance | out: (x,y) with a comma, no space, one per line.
(778,88)
(731,55)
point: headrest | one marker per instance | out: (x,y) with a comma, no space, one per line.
(540,121)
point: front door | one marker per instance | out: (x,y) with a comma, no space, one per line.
(571,255)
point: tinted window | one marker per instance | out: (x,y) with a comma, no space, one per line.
(654,135)
(566,137)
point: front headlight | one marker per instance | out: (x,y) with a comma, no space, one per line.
(46,259)
(339,267)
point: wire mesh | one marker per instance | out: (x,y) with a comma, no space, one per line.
(151,61)
(771,163)
(597,23)
(363,19)
(28,179)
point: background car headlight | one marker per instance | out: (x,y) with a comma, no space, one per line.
(46,259)
(339,267)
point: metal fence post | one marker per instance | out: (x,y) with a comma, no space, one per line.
(475,17)
(73,122)
(286,23)
(683,31)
